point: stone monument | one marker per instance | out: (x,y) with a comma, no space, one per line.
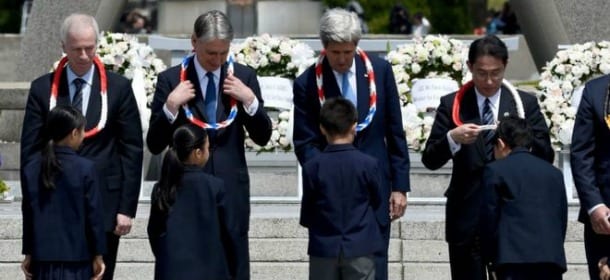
(41,46)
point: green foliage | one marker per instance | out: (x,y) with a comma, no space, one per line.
(10,16)
(3,187)
(446,16)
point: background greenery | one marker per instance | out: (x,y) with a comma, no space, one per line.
(446,16)
(10,16)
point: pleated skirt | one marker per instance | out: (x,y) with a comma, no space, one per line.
(61,270)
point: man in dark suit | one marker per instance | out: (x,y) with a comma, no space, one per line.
(116,149)
(343,73)
(463,141)
(590,160)
(524,214)
(208,90)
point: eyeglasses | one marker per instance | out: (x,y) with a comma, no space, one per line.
(494,75)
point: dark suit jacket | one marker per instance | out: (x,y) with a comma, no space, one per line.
(193,240)
(227,158)
(116,150)
(463,194)
(64,224)
(589,151)
(384,138)
(341,203)
(524,212)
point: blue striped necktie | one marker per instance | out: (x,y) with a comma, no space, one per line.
(210,99)
(488,135)
(77,100)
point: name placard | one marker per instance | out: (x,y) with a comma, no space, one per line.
(276,91)
(427,93)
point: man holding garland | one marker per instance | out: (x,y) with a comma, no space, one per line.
(113,137)
(345,70)
(463,132)
(211,91)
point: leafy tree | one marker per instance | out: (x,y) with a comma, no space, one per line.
(446,16)
(10,16)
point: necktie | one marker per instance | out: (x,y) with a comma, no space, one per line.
(210,99)
(77,100)
(346,89)
(488,135)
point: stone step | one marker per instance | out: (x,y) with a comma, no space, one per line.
(278,245)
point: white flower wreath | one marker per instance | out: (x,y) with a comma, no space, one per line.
(561,84)
(428,57)
(279,57)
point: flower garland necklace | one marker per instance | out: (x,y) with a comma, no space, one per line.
(607,108)
(187,110)
(372,86)
(103,92)
(455,112)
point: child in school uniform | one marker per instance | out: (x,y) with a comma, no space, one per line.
(63,226)
(341,201)
(524,210)
(188,231)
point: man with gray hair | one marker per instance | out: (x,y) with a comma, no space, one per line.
(344,70)
(212,91)
(113,138)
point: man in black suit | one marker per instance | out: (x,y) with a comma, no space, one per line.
(114,132)
(524,214)
(590,160)
(209,87)
(344,73)
(462,140)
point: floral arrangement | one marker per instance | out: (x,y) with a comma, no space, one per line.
(3,186)
(280,57)
(428,57)
(274,56)
(562,79)
(281,136)
(123,54)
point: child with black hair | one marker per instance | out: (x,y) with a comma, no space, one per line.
(524,210)
(189,232)
(63,226)
(341,201)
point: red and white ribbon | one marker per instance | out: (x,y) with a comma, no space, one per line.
(187,110)
(455,112)
(372,86)
(103,92)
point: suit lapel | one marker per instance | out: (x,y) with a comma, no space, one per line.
(507,105)
(196,104)
(331,88)
(362,90)
(63,96)
(95,101)
(469,112)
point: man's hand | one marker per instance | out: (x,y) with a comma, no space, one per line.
(599,220)
(25,267)
(465,134)
(98,268)
(238,90)
(123,224)
(398,205)
(180,96)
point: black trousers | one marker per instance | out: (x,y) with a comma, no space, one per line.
(466,261)
(112,246)
(381,257)
(596,247)
(529,272)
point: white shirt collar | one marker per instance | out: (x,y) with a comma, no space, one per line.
(494,99)
(352,71)
(88,77)
(201,72)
